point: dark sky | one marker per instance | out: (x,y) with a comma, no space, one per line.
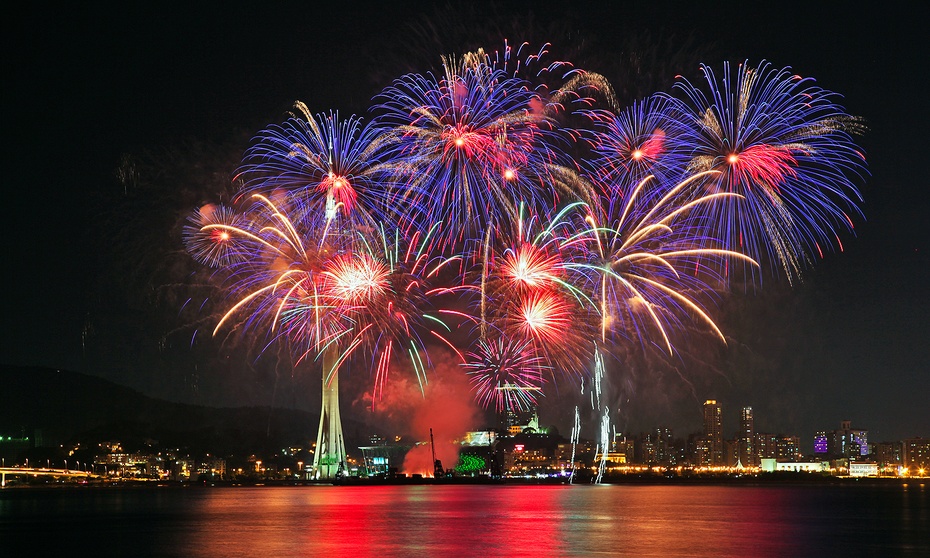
(95,272)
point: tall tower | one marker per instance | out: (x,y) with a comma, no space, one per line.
(713,431)
(329,458)
(747,436)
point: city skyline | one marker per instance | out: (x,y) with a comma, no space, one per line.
(846,343)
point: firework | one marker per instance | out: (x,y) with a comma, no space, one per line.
(506,373)
(786,147)
(386,282)
(469,146)
(316,290)
(528,291)
(650,267)
(642,140)
(326,164)
(207,236)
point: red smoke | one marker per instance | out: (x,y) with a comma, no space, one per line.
(446,405)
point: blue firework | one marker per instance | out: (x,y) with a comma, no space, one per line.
(332,167)
(786,146)
(468,146)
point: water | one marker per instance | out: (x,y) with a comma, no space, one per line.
(454,520)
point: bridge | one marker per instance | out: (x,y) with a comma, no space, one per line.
(44,471)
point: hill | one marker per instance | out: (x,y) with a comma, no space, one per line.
(61,407)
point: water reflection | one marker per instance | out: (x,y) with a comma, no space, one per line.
(553,521)
(625,520)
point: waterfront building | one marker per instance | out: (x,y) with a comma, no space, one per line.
(917,453)
(850,442)
(664,447)
(766,446)
(713,433)
(821,444)
(772,465)
(747,438)
(624,446)
(788,448)
(888,455)
(863,469)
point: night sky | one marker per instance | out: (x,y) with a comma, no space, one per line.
(170,96)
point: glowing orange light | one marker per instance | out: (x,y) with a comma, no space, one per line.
(338,182)
(733,158)
(637,154)
(459,142)
(509,174)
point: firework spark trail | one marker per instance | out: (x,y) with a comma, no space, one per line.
(603,445)
(651,269)
(784,145)
(576,437)
(603,412)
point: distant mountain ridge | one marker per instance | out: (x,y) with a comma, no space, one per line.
(67,406)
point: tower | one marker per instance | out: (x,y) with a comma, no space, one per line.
(713,432)
(747,436)
(329,458)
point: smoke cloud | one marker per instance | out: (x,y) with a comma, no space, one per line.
(446,405)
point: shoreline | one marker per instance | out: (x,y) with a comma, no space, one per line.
(802,479)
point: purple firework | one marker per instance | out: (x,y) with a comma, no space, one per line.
(505,373)
(468,146)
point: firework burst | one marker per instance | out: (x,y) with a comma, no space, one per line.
(327,165)
(505,373)
(470,146)
(528,291)
(316,291)
(786,147)
(642,140)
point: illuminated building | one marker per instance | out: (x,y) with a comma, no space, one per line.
(516,421)
(863,469)
(664,448)
(888,455)
(845,443)
(747,438)
(647,449)
(788,448)
(821,443)
(917,453)
(713,433)
(380,458)
(766,446)
(771,465)
(624,446)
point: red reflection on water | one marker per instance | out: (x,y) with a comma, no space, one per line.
(508,520)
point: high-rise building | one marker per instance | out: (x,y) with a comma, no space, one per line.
(917,453)
(788,448)
(888,455)
(664,449)
(713,432)
(766,446)
(747,438)
(821,444)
